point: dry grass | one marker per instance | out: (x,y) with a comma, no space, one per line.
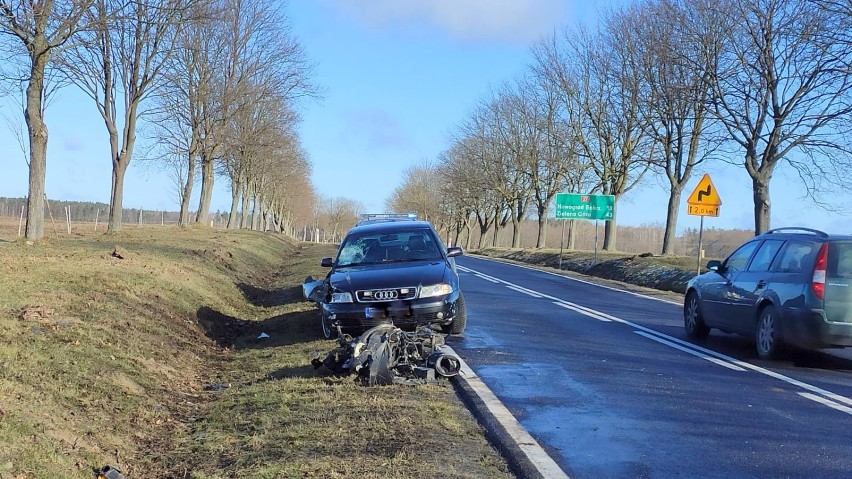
(107,360)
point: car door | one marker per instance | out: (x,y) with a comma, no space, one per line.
(722,292)
(749,286)
(716,291)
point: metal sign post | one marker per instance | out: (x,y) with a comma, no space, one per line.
(596,242)
(704,201)
(700,243)
(561,242)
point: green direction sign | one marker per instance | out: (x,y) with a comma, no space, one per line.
(570,206)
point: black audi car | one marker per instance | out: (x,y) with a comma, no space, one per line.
(390,270)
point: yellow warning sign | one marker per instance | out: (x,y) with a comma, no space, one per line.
(704,200)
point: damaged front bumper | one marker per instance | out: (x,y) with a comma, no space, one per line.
(404,314)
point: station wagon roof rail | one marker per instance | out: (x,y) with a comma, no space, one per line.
(792,229)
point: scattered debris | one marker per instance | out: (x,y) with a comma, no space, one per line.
(108,472)
(118,252)
(263,336)
(386,355)
(35,313)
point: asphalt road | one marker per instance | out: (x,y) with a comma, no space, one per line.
(608,384)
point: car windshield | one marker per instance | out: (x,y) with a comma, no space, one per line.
(384,247)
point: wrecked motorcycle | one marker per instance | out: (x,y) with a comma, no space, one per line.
(386,354)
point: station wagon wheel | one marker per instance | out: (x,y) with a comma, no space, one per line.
(766,336)
(328,329)
(693,322)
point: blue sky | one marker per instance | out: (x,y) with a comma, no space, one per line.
(398,77)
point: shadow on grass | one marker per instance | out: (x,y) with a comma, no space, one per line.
(238,334)
(268,298)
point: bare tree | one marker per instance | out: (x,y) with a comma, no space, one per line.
(419,192)
(599,82)
(189,100)
(340,215)
(258,47)
(123,55)
(36,30)
(678,47)
(782,93)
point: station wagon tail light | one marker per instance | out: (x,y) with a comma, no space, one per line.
(818,284)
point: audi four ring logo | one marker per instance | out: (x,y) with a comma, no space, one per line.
(387,294)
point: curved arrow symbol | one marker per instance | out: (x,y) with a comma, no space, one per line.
(704,192)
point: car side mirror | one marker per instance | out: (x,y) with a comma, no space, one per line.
(327,262)
(454,251)
(714,265)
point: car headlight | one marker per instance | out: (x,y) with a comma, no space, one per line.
(435,290)
(341,298)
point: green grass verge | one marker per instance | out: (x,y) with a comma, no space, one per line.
(108,360)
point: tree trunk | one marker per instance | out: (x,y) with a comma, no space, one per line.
(116,200)
(762,205)
(235,203)
(542,227)
(244,214)
(254,215)
(37,131)
(207,178)
(186,194)
(121,160)
(671,219)
(496,230)
(572,234)
(516,232)
(609,234)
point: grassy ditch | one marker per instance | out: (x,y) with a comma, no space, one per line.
(141,350)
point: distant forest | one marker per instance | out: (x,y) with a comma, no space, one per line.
(87,211)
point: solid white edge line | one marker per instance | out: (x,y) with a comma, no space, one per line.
(542,461)
(584,313)
(826,402)
(742,364)
(689,351)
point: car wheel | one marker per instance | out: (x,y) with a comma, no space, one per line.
(693,322)
(767,339)
(460,321)
(329,331)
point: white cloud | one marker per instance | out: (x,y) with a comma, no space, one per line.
(374,129)
(503,20)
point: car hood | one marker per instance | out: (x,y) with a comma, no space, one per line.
(392,275)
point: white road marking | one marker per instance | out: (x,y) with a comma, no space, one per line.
(524,290)
(832,397)
(545,464)
(690,351)
(487,278)
(826,402)
(583,281)
(572,307)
